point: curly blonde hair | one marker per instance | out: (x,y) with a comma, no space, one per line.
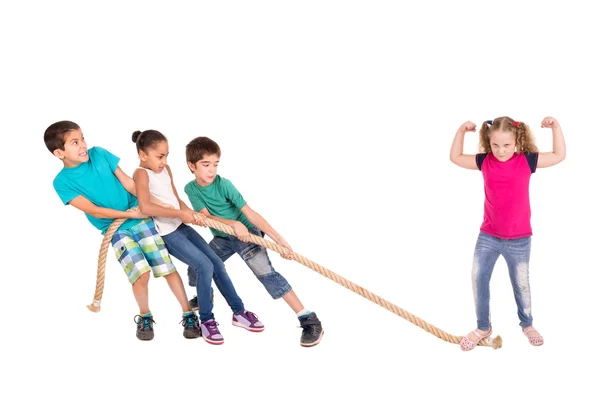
(523,137)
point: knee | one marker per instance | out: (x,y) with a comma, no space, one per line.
(203,269)
(143,279)
(260,264)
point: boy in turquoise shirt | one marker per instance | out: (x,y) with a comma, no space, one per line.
(216,198)
(92,182)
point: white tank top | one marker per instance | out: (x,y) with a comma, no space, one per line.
(160,187)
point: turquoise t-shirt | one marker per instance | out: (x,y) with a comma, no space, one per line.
(220,198)
(95,180)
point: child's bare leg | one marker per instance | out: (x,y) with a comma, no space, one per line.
(293,301)
(176,286)
(140,292)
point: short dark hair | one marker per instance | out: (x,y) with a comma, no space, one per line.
(200,147)
(54,137)
(146,139)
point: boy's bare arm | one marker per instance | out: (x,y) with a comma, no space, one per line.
(125,180)
(257,220)
(83,204)
(239,229)
(129,185)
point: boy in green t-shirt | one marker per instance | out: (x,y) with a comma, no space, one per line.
(216,198)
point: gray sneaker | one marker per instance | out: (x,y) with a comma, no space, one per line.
(312,331)
(248,320)
(194,301)
(191,327)
(145,331)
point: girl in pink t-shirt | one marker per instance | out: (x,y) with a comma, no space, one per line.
(508,158)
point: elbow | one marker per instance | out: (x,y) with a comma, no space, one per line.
(143,207)
(560,157)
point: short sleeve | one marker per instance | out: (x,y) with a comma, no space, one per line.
(532,160)
(64,191)
(111,159)
(232,194)
(479,159)
(194,197)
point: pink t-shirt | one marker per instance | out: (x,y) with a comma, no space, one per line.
(506,213)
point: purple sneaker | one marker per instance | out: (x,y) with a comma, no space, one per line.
(248,320)
(211,333)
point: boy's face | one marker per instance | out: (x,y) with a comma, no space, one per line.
(503,144)
(205,169)
(75,151)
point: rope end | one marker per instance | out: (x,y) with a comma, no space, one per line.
(496,342)
(95,306)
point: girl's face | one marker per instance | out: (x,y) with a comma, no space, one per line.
(503,144)
(155,158)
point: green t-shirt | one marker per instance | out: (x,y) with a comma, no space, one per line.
(220,198)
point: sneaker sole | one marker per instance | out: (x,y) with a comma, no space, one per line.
(316,342)
(214,342)
(240,325)
(191,335)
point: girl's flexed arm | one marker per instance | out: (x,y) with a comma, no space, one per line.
(456,151)
(559,149)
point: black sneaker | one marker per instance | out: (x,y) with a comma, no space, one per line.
(194,301)
(191,326)
(312,331)
(145,331)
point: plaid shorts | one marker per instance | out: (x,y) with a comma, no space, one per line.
(140,249)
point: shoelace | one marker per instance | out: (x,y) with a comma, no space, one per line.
(250,316)
(190,320)
(145,321)
(212,327)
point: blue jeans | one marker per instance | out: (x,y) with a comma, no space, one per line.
(189,247)
(516,253)
(256,257)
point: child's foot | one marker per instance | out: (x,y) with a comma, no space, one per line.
(194,301)
(534,337)
(145,331)
(191,327)
(470,341)
(211,333)
(248,320)
(312,330)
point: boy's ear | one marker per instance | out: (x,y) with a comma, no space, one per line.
(58,154)
(191,166)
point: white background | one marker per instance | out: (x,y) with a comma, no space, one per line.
(335,119)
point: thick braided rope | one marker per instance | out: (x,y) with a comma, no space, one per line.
(495,343)
(108,235)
